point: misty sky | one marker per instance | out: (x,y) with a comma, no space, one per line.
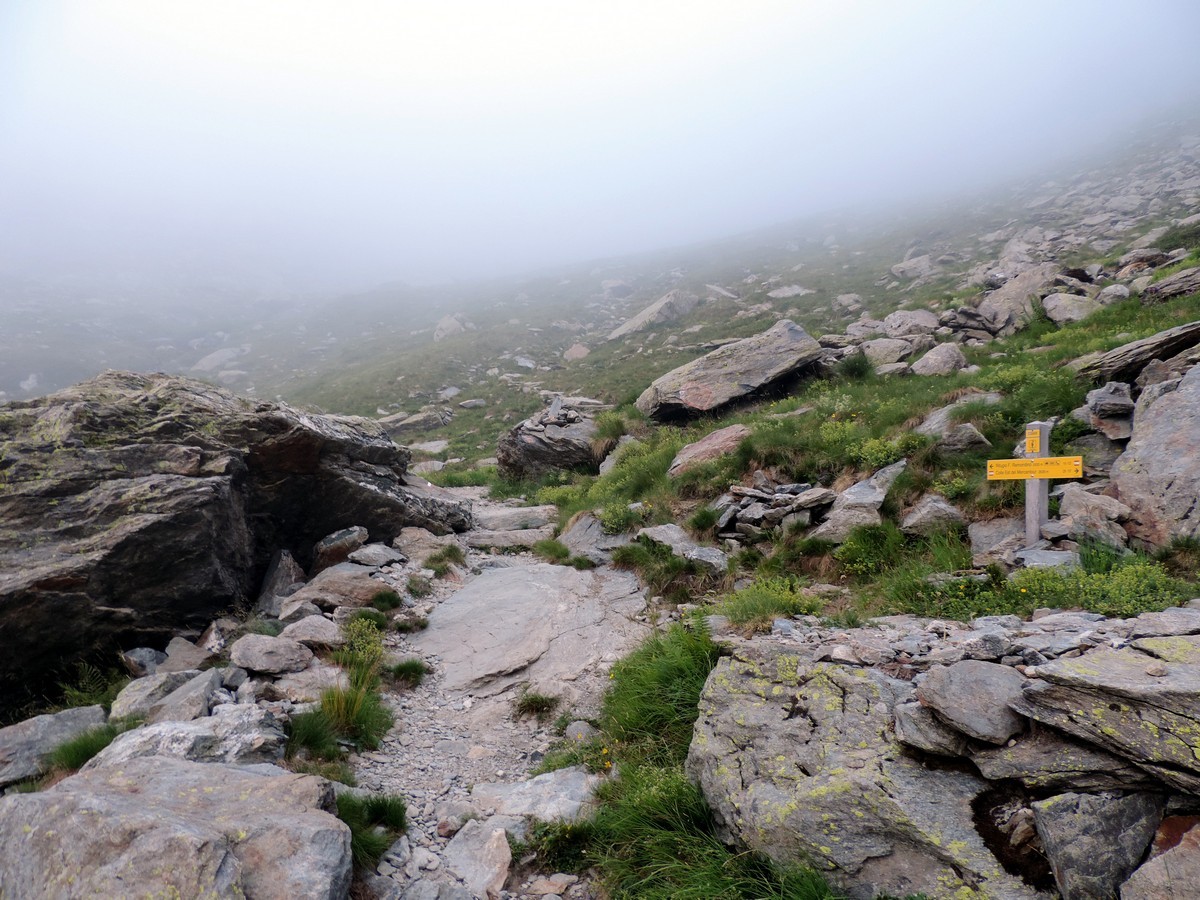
(338,144)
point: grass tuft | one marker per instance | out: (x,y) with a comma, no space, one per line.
(386,600)
(409,672)
(531,703)
(375,824)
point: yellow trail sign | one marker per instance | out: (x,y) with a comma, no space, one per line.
(1046,467)
(1033,440)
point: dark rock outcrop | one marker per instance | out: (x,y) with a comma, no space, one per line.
(560,437)
(138,506)
(734,372)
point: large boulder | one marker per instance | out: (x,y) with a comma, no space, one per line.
(667,308)
(799,761)
(156,826)
(733,372)
(557,438)
(234,733)
(25,745)
(1126,362)
(138,506)
(1158,475)
(941,360)
(712,446)
(1010,307)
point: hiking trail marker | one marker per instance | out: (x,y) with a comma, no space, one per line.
(1036,470)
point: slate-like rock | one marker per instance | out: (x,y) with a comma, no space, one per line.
(932,513)
(974,696)
(1010,307)
(479,854)
(25,745)
(337,547)
(907,322)
(799,762)
(885,351)
(502,540)
(1183,282)
(859,504)
(346,584)
(712,446)
(1158,475)
(938,423)
(1045,760)
(734,372)
(136,698)
(168,827)
(941,360)
(670,306)
(564,795)
(190,700)
(139,463)
(1126,362)
(263,653)
(505,518)
(710,559)
(586,537)
(241,733)
(314,631)
(1094,841)
(963,438)
(554,439)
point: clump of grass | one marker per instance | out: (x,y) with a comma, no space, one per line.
(663,572)
(409,672)
(331,770)
(70,755)
(93,686)
(593,754)
(269,627)
(754,608)
(311,735)
(440,561)
(411,625)
(386,600)
(375,824)
(870,549)
(552,551)
(373,616)
(357,714)
(580,562)
(1181,557)
(531,703)
(419,586)
(703,521)
(855,366)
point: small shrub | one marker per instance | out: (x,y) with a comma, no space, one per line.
(703,520)
(754,608)
(1181,557)
(386,600)
(870,549)
(854,367)
(375,823)
(357,714)
(409,672)
(419,586)
(441,560)
(364,641)
(331,770)
(552,550)
(372,616)
(531,703)
(408,626)
(618,518)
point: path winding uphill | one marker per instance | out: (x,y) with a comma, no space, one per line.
(501,625)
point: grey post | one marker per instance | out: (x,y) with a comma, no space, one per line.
(1037,490)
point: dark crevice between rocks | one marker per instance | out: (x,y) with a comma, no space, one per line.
(1004,821)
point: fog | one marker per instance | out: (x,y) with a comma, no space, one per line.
(324,145)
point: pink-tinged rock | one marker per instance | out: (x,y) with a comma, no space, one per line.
(708,448)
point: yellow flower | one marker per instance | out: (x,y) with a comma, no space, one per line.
(1023,590)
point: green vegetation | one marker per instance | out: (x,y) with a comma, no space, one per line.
(663,572)
(375,822)
(419,586)
(441,560)
(409,626)
(374,616)
(386,600)
(70,755)
(408,672)
(92,687)
(552,551)
(754,608)
(531,703)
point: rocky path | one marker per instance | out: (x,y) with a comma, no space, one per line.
(502,624)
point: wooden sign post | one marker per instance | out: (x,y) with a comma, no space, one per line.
(1036,470)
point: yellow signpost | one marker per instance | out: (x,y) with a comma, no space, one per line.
(1044,467)
(1033,441)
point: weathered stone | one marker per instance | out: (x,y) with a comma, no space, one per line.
(1096,696)
(917,726)
(283,577)
(1094,841)
(586,537)
(859,504)
(183,656)
(1046,760)
(376,555)
(885,351)
(973,696)
(345,584)
(190,700)
(554,439)
(712,446)
(733,372)
(138,463)
(25,745)
(938,423)
(1172,871)
(709,559)
(263,653)
(335,548)
(1186,281)
(1010,307)
(168,827)
(1062,309)
(500,540)
(986,536)
(941,360)
(915,267)
(513,518)
(1167,623)
(798,762)
(480,856)
(1047,559)
(314,631)
(907,322)
(538,624)
(305,686)
(963,438)
(932,513)
(1158,475)
(564,795)
(232,734)
(667,308)
(1126,362)
(136,698)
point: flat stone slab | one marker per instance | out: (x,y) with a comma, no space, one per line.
(524,537)
(542,624)
(23,746)
(504,518)
(559,796)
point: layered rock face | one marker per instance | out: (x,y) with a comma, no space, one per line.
(559,437)
(731,373)
(138,506)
